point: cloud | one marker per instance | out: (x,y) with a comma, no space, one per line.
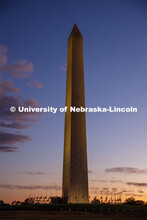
(90,172)
(133,194)
(15,120)
(114,190)
(138,195)
(6,87)
(7,101)
(137,184)
(21,68)
(11,138)
(8,149)
(129,170)
(107,181)
(36,173)
(63,66)
(126,191)
(34,83)
(15,125)
(105,188)
(10,122)
(107,191)
(30,187)
(140,191)
(31,102)
(93,187)
(3,56)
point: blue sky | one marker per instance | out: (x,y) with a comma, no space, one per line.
(115,54)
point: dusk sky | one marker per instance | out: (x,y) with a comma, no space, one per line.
(33,57)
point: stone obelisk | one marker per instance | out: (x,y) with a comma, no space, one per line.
(75,173)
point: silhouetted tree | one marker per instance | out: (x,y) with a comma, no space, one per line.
(1,202)
(58,200)
(16,203)
(95,200)
(139,202)
(28,201)
(130,201)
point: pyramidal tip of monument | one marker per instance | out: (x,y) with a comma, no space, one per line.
(75,31)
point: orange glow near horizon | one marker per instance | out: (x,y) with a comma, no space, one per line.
(20,195)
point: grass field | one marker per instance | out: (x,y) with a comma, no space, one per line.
(73,212)
(77,207)
(70,215)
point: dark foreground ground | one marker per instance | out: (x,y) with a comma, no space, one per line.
(69,215)
(73,212)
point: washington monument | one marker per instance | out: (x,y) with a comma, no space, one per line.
(75,171)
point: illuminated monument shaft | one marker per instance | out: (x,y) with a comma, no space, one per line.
(75,174)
